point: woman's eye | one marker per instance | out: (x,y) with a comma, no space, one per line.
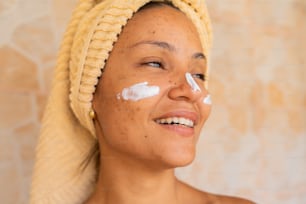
(200,76)
(154,64)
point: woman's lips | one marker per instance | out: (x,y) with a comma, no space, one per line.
(180,122)
(176,121)
(179,129)
(182,114)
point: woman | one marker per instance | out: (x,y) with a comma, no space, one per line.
(145,111)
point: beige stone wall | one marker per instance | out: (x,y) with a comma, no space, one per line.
(254,144)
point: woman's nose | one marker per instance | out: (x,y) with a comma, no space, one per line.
(186,89)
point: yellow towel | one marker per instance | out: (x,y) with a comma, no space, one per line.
(67,131)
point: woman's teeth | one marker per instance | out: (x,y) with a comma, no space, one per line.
(176,120)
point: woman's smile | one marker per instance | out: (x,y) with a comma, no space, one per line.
(179,122)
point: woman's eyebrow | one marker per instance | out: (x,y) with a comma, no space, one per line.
(167,46)
(160,44)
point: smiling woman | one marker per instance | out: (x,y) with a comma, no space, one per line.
(156,69)
(130,92)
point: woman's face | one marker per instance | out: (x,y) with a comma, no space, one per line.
(151,102)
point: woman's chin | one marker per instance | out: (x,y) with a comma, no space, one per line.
(184,162)
(180,160)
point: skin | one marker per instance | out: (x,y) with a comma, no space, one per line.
(138,155)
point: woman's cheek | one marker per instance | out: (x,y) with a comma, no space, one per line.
(138,91)
(207,100)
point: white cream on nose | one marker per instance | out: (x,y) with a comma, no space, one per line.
(195,87)
(192,83)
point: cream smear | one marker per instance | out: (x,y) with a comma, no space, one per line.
(192,83)
(207,100)
(138,91)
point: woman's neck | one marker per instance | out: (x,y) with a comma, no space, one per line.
(133,182)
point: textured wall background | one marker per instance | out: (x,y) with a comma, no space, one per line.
(254,144)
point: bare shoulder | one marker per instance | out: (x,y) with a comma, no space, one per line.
(192,195)
(231,200)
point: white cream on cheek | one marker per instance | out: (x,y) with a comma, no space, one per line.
(207,100)
(138,91)
(192,83)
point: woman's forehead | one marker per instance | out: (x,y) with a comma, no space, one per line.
(160,24)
